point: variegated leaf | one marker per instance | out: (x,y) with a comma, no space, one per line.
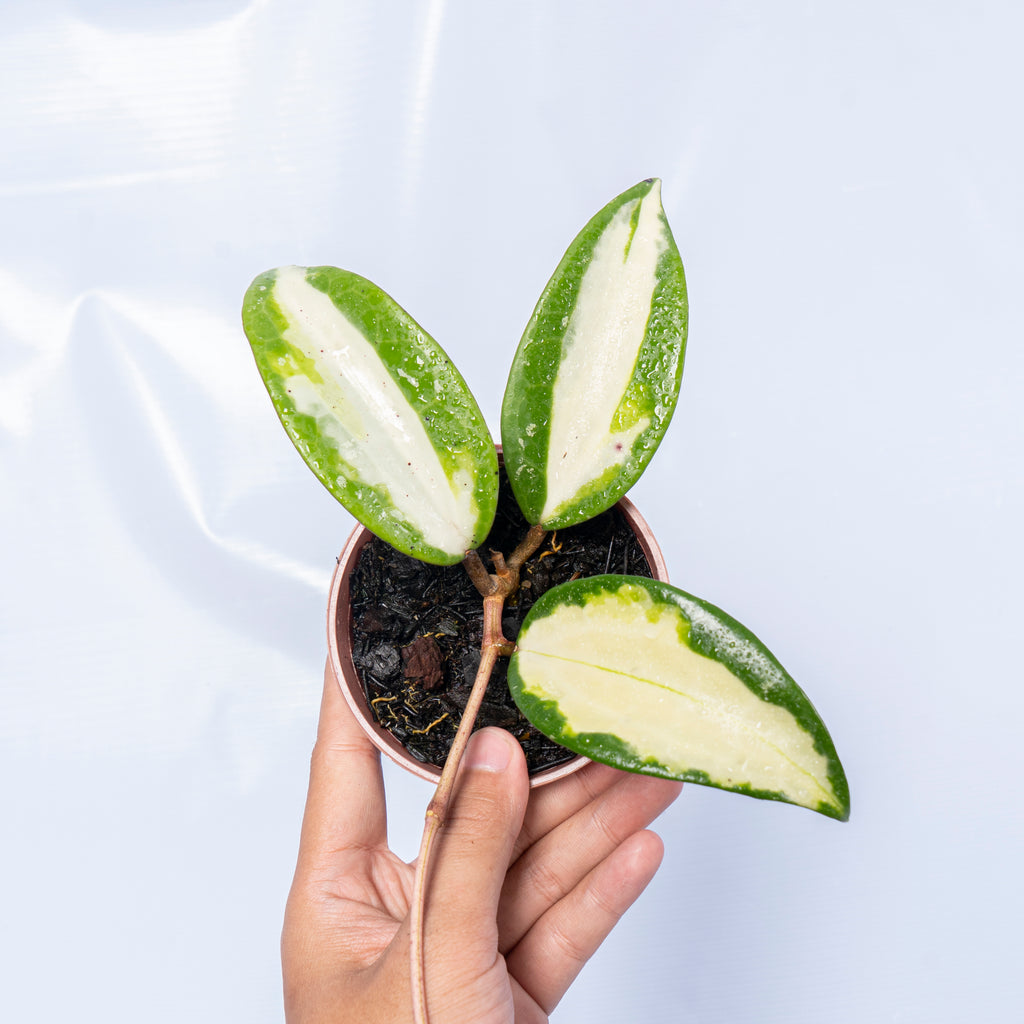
(595,380)
(376,409)
(639,675)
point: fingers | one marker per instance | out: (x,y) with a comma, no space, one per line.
(526,1010)
(476,842)
(345,807)
(550,805)
(553,866)
(548,958)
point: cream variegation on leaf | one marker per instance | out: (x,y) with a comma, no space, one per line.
(644,677)
(376,409)
(595,380)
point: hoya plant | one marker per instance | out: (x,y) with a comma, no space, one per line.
(625,670)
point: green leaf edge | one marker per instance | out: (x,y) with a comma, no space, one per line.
(527,402)
(455,425)
(610,749)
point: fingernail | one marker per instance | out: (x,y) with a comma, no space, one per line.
(489,750)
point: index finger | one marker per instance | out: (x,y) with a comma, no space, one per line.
(345,808)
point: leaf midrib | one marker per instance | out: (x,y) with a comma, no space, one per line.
(829,798)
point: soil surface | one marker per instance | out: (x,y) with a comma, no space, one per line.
(416,628)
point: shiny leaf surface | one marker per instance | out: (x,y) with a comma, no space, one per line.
(376,409)
(596,376)
(639,675)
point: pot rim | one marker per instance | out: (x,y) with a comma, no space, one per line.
(339,610)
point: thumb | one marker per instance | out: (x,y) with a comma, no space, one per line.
(475,845)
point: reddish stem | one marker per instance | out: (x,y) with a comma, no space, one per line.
(494,588)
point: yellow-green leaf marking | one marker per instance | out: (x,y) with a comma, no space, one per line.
(596,377)
(376,409)
(639,675)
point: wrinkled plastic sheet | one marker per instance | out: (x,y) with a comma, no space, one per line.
(844,187)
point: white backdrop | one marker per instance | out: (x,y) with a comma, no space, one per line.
(844,473)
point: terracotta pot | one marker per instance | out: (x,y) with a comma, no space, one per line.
(339,644)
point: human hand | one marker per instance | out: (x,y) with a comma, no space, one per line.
(525,886)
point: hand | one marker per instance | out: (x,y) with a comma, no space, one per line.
(524,887)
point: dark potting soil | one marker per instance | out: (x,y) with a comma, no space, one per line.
(416,628)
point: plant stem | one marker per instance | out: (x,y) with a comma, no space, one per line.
(527,546)
(494,588)
(478,573)
(435,819)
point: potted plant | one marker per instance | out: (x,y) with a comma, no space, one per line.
(617,668)
(404,643)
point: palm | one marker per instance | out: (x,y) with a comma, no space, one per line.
(368,899)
